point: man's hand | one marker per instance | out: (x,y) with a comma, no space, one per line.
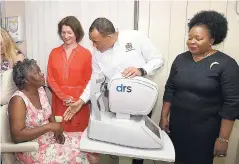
(73,109)
(131,72)
(68,101)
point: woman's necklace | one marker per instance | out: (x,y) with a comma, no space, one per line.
(208,54)
(197,58)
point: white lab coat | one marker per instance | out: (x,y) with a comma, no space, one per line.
(131,49)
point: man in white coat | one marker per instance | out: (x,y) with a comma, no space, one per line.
(126,52)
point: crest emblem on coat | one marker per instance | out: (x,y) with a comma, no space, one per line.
(129,47)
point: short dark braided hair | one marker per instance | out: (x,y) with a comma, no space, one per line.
(103,25)
(215,22)
(20,71)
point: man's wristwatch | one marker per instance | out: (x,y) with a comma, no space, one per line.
(142,71)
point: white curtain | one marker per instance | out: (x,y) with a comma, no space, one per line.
(42,18)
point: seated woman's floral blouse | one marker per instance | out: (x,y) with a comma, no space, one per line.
(50,152)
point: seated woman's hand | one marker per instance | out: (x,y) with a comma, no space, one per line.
(55,127)
(60,138)
(93,158)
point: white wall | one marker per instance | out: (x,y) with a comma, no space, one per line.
(15,8)
(42,18)
(164,22)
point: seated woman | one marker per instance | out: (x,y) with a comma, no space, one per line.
(10,53)
(31,119)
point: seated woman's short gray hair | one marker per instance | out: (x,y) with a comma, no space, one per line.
(20,71)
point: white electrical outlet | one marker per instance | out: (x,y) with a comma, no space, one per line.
(14,27)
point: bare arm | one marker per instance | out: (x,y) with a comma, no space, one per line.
(17,116)
(165,110)
(226,128)
(221,144)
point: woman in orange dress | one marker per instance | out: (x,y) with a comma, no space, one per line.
(68,72)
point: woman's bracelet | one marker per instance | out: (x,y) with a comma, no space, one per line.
(223,139)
